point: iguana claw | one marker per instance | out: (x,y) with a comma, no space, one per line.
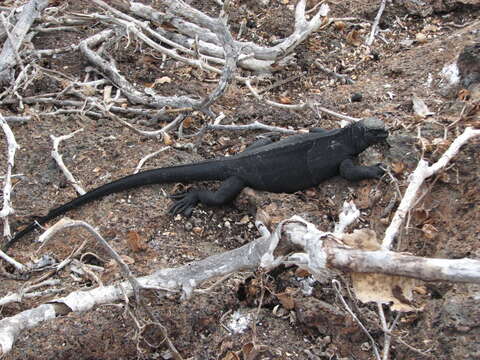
(379,170)
(184,203)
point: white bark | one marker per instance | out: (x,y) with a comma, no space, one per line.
(417,178)
(319,255)
(58,158)
(7,188)
(9,53)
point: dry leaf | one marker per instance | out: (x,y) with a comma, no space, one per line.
(463,95)
(127,259)
(339,25)
(163,80)
(354,38)
(136,242)
(363,239)
(167,139)
(441,144)
(231,356)
(385,289)
(429,231)
(364,200)
(285,100)
(247,349)
(302,273)
(422,290)
(286,300)
(421,38)
(187,123)
(420,215)
(244,220)
(378,287)
(398,167)
(420,108)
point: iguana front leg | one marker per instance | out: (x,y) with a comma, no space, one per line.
(350,171)
(186,202)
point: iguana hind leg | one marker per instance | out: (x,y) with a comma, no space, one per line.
(350,171)
(186,202)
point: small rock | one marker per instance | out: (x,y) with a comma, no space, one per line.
(469,65)
(357,97)
(188,226)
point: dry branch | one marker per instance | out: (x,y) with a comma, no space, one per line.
(7,188)
(58,158)
(9,54)
(422,172)
(252,57)
(218,28)
(28,293)
(375,23)
(320,257)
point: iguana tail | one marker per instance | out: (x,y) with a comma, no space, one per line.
(203,171)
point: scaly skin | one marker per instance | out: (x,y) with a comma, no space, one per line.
(292,164)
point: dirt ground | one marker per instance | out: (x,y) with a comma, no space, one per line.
(444,224)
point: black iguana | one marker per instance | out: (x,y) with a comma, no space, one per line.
(295,163)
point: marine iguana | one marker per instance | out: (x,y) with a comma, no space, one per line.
(295,163)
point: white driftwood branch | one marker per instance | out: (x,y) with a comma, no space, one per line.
(392,263)
(17,119)
(217,26)
(375,23)
(194,33)
(8,56)
(149,156)
(256,125)
(299,106)
(28,293)
(66,223)
(7,188)
(319,259)
(417,178)
(20,268)
(58,158)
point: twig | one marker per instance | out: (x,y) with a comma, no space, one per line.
(375,23)
(316,258)
(280,83)
(338,288)
(20,267)
(7,188)
(300,106)
(386,330)
(61,164)
(344,78)
(149,156)
(27,292)
(17,119)
(417,178)
(9,52)
(256,125)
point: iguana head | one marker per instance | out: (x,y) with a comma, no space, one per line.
(367,132)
